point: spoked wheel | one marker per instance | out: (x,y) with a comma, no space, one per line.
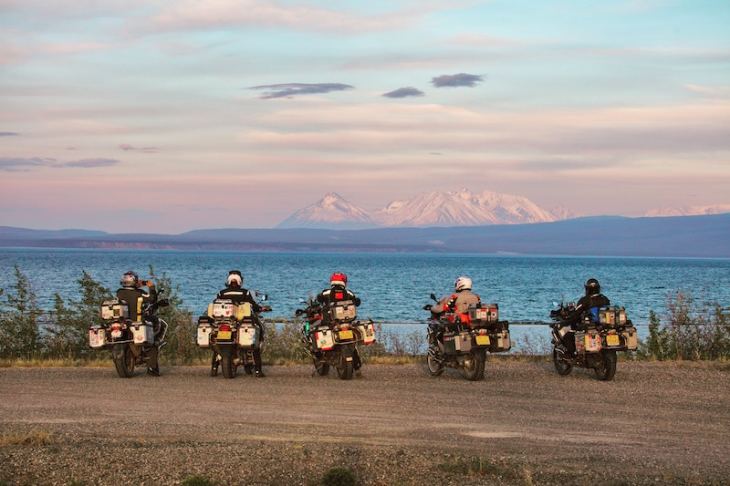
(563,368)
(229,369)
(435,366)
(123,360)
(473,369)
(606,369)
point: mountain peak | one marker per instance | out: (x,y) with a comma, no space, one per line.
(331,212)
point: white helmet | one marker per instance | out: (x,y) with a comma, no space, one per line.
(462,283)
(234,276)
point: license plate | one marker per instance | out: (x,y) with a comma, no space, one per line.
(223,335)
(116,334)
(345,334)
(612,340)
(482,340)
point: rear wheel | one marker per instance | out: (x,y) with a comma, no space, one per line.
(473,369)
(229,369)
(248,369)
(606,369)
(346,367)
(214,364)
(561,366)
(123,360)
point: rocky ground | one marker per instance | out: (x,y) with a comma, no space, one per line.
(656,423)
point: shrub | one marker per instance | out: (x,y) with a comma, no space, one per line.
(339,476)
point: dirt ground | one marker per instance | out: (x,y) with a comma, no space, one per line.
(657,423)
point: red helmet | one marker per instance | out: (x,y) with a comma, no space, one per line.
(338,278)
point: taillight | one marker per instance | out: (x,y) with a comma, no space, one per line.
(116,327)
(224,327)
(344,327)
(482,332)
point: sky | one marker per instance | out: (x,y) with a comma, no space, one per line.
(171,115)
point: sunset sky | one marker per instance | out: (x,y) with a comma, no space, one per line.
(165,116)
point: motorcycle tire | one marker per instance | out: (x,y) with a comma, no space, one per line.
(475,371)
(561,366)
(345,371)
(229,369)
(435,368)
(214,365)
(606,369)
(248,369)
(322,368)
(123,360)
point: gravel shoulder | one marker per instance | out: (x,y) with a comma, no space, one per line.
(524,424)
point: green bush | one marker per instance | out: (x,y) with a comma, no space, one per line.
(197,481)
(19,320)
(689,332)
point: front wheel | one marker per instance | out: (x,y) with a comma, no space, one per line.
(473,369)
(229,369)
(563,368)
(435,366)
(123,360)
(322,368)
(606,369)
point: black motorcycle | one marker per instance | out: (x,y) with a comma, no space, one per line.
(461,341)
(592,341)
(331,335)
(131,343)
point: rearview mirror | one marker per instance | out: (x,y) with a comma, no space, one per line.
(433,297)
(298,312)
(163,303)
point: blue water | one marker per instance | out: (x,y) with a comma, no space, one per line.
(393,287)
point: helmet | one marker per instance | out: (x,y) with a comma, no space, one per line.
(592,287)
(129,280)
(462,283)
(338,278)
(234,276)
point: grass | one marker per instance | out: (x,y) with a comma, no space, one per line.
(479,466)
(339,476)
(196,480)
(33,438)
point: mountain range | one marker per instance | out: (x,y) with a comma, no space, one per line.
(436,208)
(706,236)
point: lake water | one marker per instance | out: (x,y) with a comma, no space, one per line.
(393,287)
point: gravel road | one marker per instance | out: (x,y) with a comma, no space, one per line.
(657,423)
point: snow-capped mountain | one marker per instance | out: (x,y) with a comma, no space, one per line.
(689,211)
(438,208)
(330,212)
(461,208)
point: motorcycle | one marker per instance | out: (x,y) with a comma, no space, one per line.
(331,335)
(233,333)
(593,342)
(131,343)
(462,340)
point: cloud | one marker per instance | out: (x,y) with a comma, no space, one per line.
(25,164)
(89,163)
(288,90)
(403,92)
(457,80)
(131,148)
(9,134)
(20,164)
(709,91)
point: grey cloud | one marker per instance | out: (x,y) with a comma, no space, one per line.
(457,80)
(9,134)
(403,92)
(89,163)
(294,89)
(20,164)
(131,148)
(24,164)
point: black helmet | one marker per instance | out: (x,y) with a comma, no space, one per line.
(129,280)
(592,287)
